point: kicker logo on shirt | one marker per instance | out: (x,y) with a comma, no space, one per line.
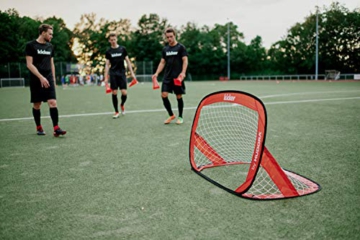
(43,52)
(171,53)
(116,55)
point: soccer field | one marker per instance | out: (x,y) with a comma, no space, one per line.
(130,178)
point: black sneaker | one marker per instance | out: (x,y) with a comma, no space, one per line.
(40,131)
(59,132)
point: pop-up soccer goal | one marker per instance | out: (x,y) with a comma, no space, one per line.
(227,147)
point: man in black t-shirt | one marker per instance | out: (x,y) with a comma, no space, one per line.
(175,61)
(40,61)
(115,57)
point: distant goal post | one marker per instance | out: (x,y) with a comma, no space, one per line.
(332,74)
(12,82)
(144,78)
(144,71)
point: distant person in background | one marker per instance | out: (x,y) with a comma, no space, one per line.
(175,61)
(101,78)
(115,68)
(81,80)
(67,79)
(40,62)
(72,79)
(87,79)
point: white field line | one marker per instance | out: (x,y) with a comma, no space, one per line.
(186,108)
(305,93)
(312,100)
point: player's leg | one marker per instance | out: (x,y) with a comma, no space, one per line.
(123,89)
(123,100)
(37,118)
(36,97)
(179,91)
(165,89)
(167,105)
(114,84)
(115,103)
(54,115)
(180,101)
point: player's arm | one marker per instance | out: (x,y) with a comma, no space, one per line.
(129,66)
(184,67)
(35,71)
(160,68)
(53,70)
(107,67)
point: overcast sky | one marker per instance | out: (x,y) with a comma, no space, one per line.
(269,19)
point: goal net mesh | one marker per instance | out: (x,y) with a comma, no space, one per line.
(230,129)
(144,78)
(144,71)
(263,186)
(12,82)
(332,75)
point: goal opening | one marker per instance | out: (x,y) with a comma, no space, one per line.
(227,147)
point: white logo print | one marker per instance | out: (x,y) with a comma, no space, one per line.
(171,53)
(257,150)
(228,97)
(43,52)
(116,55)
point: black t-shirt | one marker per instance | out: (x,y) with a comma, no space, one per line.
(173,57)
(41,54)
(116,56)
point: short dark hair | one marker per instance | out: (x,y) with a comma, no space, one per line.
(112,35)
(170,30)
(44,28)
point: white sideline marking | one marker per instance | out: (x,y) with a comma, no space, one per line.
(186,108)
(311,100)
(305,93)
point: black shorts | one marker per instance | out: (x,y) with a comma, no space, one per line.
(41,94)
(170,87)
(117,81)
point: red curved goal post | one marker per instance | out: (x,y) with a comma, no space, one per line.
(227,148)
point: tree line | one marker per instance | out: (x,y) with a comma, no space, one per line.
(339,43)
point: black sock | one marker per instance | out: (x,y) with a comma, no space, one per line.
(180,106)
(37,116)
(54,114)
(115,102)
(123,99)
(167,106)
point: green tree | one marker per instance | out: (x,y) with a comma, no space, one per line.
(207,48)
(239,60)
(340,39)
(63,40)
(236,43)
(199,43)
(255,57)
(339,43)
(92,43)
(15,32)
(295,54)
(148,40)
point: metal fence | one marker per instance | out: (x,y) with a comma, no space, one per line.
(19,70)
(346,76)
